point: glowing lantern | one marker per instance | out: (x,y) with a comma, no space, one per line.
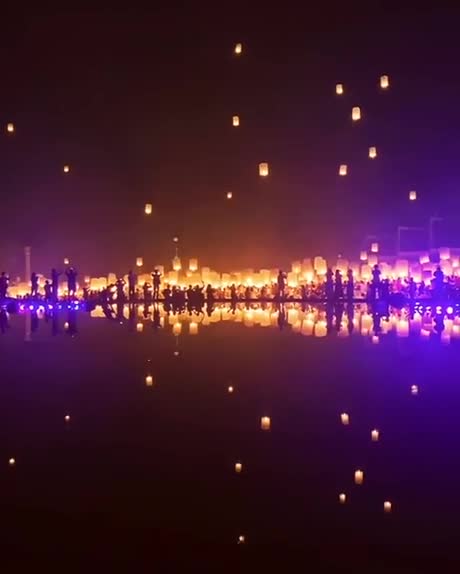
(175,239)
(67,418)
(424,258)
(66,261)
(374,435)
(193,265)
(374,247)
(176,264)
(148,209)
(139,327)
(238,48)
(229,195)
(414,390)
(339,89)
(235,121)
(343,169)
(139,262)
(10,128)
(149,380)
(241,539)
(359,477)
(66,168)
(372,152)
(265,423)
(342,498)
(230,389)
(363,256)
(412,195)
(375,340)
(12,462)
(384,82)
(238,467)
(263,169)
(387,506)
(177,328)
(444,253)
(344,417)
(356,113)
(193,328)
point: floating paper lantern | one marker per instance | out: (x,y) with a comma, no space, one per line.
(148,209)
(363,256)
(412,195)
(359,477)
(149,380)
(384,82)
(176,353)
(342,498)
(414,390)
(235,121)
(193,264)
(339,89)
(139,261)
(238,48)
(241,539)
(230,389)
(444,253)
(265,423)
(175,239)
(375,340)
(66,261)
(263,169)
(229,195)
(238,467)
(343,169)
(10,128)
(374,435)
(176,264)
(387,506)
(66,168)
(356,113)
(372,152)
(345,418)
(374,247)
(12,461)
(177,329)
(139,327)
(193,328)
(67,418)
(424,258)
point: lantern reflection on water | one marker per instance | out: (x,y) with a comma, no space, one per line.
(384,82)
(265,423)
(343,169)
(193,328)
(236,121)
(359,477)
(344,417)
(339,89)
(356,113)
(139,327)
(263,169)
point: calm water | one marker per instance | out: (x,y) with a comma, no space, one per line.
(145,473)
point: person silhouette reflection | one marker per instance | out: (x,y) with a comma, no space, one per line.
(4,322)
(350,315)
(338,316)
(34,284)
(281,317)
(329,318)
(33,321)
(55,323)
(156,316)
(72,322)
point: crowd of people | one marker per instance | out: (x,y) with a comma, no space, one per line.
(334,288)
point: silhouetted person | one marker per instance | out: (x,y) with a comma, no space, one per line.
(350,285)
(48,291)
(120,284)
(4,282)
(233,295)
(209,292)
(54,283)
(247,294)
(329,283)
(385,290)
(412,288)
(71,281)
(147,294)
(338,285)
(375,284)
(156,278)
(34,284)
(132,280)
(281,280)
(438,282)
(3,320)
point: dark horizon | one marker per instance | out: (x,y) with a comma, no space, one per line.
(140,107)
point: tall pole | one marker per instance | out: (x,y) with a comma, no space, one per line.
(28,267)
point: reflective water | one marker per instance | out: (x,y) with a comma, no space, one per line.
(144,469)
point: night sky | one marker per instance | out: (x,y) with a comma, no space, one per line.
(140,106)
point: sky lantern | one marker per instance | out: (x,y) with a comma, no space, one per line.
(140,327)
(375,247)
(230,389)
(372,152)
(235,121)
(356,113)
(384,82)
(193,264)
(12,461)
(238,467)
(412,195)
(193,328)
(149,380)
(345,418)
(342,498)
(175,239)
(263,169)
(375,435)
(10,128)
(66,168)
(387,507)
(148,209)
(343,169)
(339,89)
(414,390)
(363,256)
(139,261)
(241,539)
(359,477)
(265,423)
(66,261)
(67,418)
(238,48)
(177,328)
(229,195)
(176,264)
